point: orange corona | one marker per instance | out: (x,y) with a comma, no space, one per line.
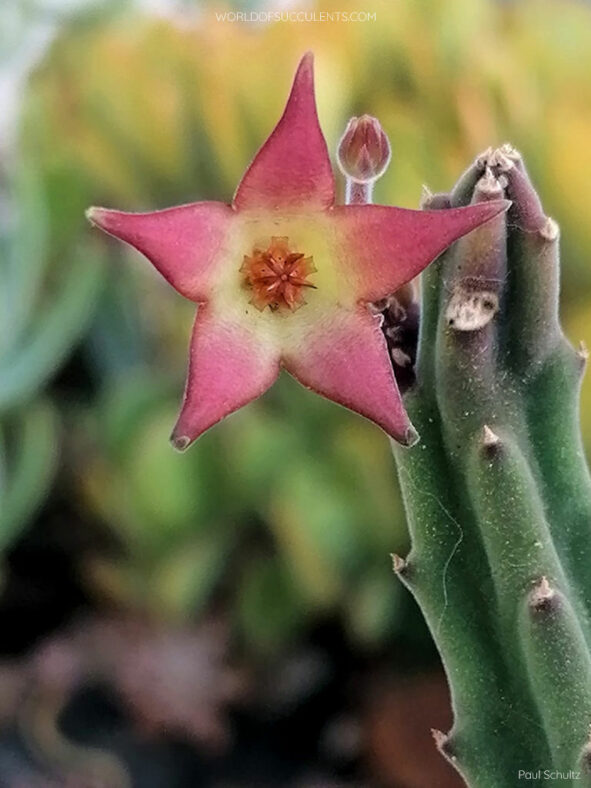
(277,276)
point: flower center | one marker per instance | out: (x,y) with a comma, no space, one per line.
(277,276)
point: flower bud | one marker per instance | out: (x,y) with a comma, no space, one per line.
(364,150)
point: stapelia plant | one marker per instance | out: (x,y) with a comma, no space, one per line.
(283,277)
(497,491)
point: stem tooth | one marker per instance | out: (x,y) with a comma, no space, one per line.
(426,196)
(501,160)
(489,438)
(510,152)
(490,443)
(543,596)
(526,211)
(490,185)
(586,755)
(443,744)
(435,202)
(439,737)
(463,191)
(482,159)
(550,231)
(399,565)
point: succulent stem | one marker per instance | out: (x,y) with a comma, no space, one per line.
(498,493)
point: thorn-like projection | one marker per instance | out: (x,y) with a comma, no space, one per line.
(482,159)
(442,742)
(436,202)
(550,231)
(510,152)
(426,196)
(582,357)
(490,442)
(542,596)
(489,438)
(500,160)
(399,565)
(586,755)
(489,184)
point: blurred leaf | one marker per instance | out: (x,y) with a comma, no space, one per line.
(373,606)
(260,448)
(270,608)
(167,488)
(184,580)
(117,342)
(29,474)
(126,403)
(155,498)
(115,583)
(363,456)
(315,529)
(25,259)
(140,113)
(55,330)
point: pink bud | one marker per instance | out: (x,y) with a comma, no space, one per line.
(364,150)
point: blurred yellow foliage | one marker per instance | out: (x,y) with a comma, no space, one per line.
(144,113)
(152,110)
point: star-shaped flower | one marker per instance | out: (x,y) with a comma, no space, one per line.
(283,277)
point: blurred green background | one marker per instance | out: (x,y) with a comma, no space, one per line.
(277,526)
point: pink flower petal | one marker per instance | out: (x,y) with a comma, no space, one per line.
(228,367)
(345,358)
(293,167)
(382,248)
(181,242)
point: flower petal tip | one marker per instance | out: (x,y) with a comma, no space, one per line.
(490,208)
(99,217)
(498,206)
(180,443)
(91,214)
(411,438)
(306,61)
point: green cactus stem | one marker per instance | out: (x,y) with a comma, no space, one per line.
(498,494)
